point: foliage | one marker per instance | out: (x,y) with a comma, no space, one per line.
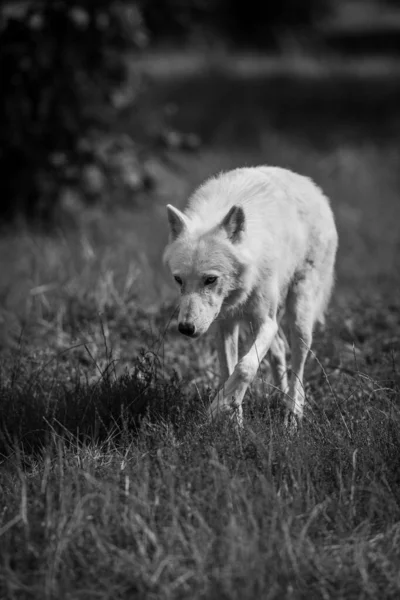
(60,62)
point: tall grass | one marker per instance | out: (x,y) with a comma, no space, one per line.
(173,507)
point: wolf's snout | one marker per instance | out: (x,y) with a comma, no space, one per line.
(187,329)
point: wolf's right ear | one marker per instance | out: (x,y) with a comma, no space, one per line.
(177,221)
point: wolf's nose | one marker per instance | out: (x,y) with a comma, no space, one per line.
(187,329)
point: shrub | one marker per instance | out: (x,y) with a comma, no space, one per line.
(60,62)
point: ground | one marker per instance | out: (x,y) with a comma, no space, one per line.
(113,485)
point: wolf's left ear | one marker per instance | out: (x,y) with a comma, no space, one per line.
(233,223)
(177,221)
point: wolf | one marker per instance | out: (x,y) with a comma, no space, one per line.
(253,244)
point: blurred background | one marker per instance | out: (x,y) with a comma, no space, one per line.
(110,109)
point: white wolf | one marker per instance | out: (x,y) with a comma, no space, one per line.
(251,244)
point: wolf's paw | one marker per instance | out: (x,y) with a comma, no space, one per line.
(224,406)
(292,421)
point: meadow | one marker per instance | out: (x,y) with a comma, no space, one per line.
(112,484)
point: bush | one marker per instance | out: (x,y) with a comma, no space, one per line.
(60,62)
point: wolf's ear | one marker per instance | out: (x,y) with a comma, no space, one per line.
(233,223)
(177,221)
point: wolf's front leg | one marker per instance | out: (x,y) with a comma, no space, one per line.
(229,398)
(227,347)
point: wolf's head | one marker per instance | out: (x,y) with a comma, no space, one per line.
(207,266)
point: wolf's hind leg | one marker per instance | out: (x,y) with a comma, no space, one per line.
(277,356)
(301,310)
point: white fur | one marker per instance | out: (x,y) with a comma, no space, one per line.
(274,252)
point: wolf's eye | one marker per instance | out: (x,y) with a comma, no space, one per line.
(210,280)
(178,280)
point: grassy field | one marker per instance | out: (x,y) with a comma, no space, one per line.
(111,483)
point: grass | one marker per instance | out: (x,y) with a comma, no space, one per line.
(111,483)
